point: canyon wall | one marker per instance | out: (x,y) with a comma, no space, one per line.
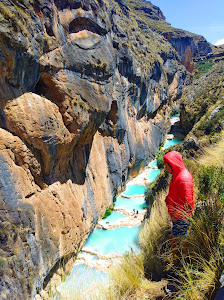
(85,100)
(188,45)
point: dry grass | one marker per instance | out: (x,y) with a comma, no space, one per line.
(202,251)
(128,277)
(214,156)
(129,281)
(19,17)
(195,284)
(153,237)
(204,262)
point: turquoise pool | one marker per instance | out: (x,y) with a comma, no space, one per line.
(170,143)
(114,217)
(134,189)
(129,204)
(114,241)
(152,174)
(81,279)
(153,163)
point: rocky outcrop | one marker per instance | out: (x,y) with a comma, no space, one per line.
(190,47)
(152,11)
(202,106)
(83,106)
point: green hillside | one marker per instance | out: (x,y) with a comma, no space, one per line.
(202,103)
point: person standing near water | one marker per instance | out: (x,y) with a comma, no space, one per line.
(180,199)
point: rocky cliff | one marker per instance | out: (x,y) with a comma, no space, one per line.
(202,104)
(85,98)
(189,46)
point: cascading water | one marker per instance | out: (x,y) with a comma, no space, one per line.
(112,237)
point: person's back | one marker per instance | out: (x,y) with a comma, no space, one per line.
(180,199)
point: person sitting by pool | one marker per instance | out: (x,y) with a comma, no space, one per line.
(180,199)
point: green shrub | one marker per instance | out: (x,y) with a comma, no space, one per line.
(160,156)
(3,265)
(109,210)
(107,213)
(203,67)
(211,182)
(149,195)
(174,112)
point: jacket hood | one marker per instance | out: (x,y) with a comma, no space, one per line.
(175,161)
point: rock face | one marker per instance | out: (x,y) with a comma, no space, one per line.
(83,106)
(152,11)
(202,106)
(189,47)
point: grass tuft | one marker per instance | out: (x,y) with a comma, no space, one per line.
(214,156)
(153,237)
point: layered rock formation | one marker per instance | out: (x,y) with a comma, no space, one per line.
(85,98)
(189,47)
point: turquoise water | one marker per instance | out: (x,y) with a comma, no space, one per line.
(170,143)
(114,217)
(134,189)
(129,204)
(82,279)
(153,173)
(114,241)
(153,163)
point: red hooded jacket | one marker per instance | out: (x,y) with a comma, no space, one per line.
(180,200)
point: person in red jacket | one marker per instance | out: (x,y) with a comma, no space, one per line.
(180,199)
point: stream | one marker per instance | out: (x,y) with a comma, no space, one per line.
(115,235)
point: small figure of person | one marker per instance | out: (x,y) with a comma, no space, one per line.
(137,212)
(180,199)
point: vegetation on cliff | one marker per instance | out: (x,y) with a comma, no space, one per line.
(145,43)
(202,104)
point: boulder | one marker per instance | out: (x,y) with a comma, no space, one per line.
(191,143)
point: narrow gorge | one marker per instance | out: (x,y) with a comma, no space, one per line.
(86,93)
